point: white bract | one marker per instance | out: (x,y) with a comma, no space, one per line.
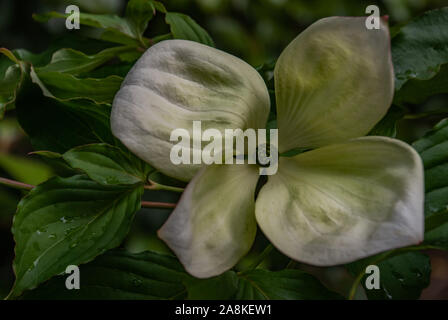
(348,198)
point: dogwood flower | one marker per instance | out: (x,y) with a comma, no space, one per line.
(348,198)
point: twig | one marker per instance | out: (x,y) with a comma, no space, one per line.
(27,187)
(161,205)
(15,184)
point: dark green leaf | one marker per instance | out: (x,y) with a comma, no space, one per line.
(140,12)
(149,275)
(416,91)
(421,47)
(68,221)
(64,86)
(433,149)
(121,275)
(9,86)
(259,284)
(73,41)
(59,126)
(11,81)
(388,125)
(402,276)
(284,285)
(222,287)
(39,59)
(119,69)
(9,55)
(56,162)
(184,27)
(75,62)
(5,63)
(107,164)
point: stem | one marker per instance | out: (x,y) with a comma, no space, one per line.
(15,184)
(355,285)
(261,257)
(27,187)
(145,44)
(160,205)
(157,186)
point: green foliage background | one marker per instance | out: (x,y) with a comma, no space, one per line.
(75,111)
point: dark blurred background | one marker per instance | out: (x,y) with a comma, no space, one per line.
(254,30)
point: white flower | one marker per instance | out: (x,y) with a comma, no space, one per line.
(348,198)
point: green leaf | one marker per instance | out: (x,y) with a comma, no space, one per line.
(69,40)
(9,86)
(184,27)
(65,87)
(116,29)
(416,91)
(24,169)
(420,48)
(68,221)
(75,62)
(119,69)
(402,276)
(59,126)
(222,287)
(433,149)
(149,275)
(388,125)
(56,162)
(281,285)
(9,55)
(107,164)
(259,284)
(118,275)
(11,81)
(5,62)
(140,12)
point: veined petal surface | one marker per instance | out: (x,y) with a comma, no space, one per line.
(213,225)
(344,202)
(177,82)
(333,82)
